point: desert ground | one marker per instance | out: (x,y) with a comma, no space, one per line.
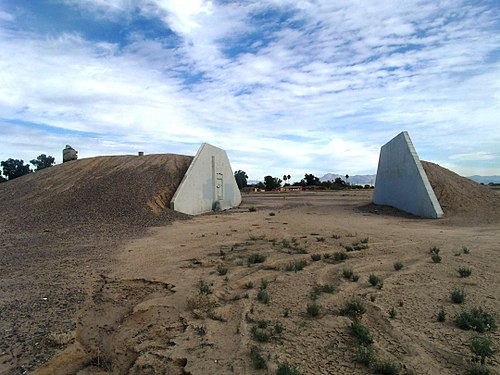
(224,293)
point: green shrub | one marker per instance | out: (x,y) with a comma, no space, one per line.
(347,273)
(313,309)
(272,214)
(263,284)
(327,256)
(285,243)
(464,271)
(393,313)
(340,256)
(335,236)
(478,369)
(221,270)
(258,360)
(362,333)
(465,250)
(354,308)
(286,368)
(365,355)
(458,296)
(476,319)
(480,346)
(320,239)
(365,240)
(252,209)
(316,257)
(374,279)
(441,316)
(386,368)
(263,296)
(373,297)
(318,289)
(260,334)
(436,258)
(348,248)
(355,277)
(248,285)
(296,265)
(203,287)
(278,328)
(434,250)
(398,266)
(256,258)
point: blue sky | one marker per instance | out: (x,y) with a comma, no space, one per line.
(286,87)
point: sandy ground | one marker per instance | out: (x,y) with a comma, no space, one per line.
(145,313)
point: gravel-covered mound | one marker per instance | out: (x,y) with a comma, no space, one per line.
(133,190)
(461,198)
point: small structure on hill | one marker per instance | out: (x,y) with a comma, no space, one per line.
(208,184)
(401,180)
(69,153)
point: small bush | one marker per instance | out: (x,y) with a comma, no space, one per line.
(393,313)
(278,328)
(458,296)
(263,296)
(386,368)
(340,256)
(316,257)
(374,279)
(365,355)
(476,319)
(258,360)
(263,284)
(436,258)
(373,297)
(248,285)
(286,368)
(297,265)
(318,289)
(286,313)
(398,266)
(285,243)
(355,277)
(326,256)
(256,258)
(464,271)
(320,239)
(221,270)
(260,334)
(441,316)
(335,236)
(365,240)
(465,250)
(347,273)
(203,287)
(480,346)
(272,214)
(478,369)
(313,309)
(434,250)
(353,308)
(362,333)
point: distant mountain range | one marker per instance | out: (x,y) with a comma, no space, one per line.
(485,179)
(365,179)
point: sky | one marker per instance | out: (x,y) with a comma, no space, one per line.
(285,87)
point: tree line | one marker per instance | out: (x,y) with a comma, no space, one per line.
(14,168)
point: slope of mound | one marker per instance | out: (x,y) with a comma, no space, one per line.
(107,189)
(462,198)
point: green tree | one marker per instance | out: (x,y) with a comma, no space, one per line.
(43,161)
(272,182)
(241,178)
(311,179)
(2,179)
(13,168)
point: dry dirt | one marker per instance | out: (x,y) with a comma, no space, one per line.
(117,299)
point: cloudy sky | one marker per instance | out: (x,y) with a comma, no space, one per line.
(286,87)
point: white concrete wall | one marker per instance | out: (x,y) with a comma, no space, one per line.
(208,184)
(401,180)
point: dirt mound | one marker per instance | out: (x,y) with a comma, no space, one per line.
(462,199)
(106,189)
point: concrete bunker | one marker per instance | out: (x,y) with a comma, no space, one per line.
(402,182)
(208,184)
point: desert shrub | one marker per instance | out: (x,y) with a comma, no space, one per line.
(248,285)
(374,279)
(362,333)
(458,295)
(316,257)
(355,277)
(348,248)
(263,284)
(335,236)
(401,303)
(285,243)
(203,287)
(286,368)
(256,258)
(441,315)
(373,297)
(272,214)
(434,250)
(326,256)
(480,347)
(347,273)
(465,250)
(386,368)
(252,209)
(221,270)
(263,296)
(354,308)
(398,266)
(464,271)
(340,256)
(260,334)
(286,313)
(313,309)
(257,238)
(320,239)
(478,369)
(318,289)
(296,265)
(476,319)
(392,313)
(436,258)
(278,328)
(258,360)
(365,355)
(365,240)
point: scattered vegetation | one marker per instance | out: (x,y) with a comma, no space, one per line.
(393,313)
(355,277)
(256,258)
(260,334)
(296,265)
(354,308)
(386,368)
(257,238)
(373,297)
(340,256)
(258,360)
(477,369)
(362,333)
(480,347)
(319,289)
(374,279)
(434,250)
(222,270)
(203,287)
(365,355)
(335,236)
(313,309)
(347,273)
(316,257)
(464,271)
(465,250)
(320,239)
(458,295)
(262,294)
(278,328)
(286,368)
(436,258)
(476,319)
(398,266)
(248,285)
(441,316)
(252,209)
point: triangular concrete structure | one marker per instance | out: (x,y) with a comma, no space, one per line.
(208,184)
(401,180)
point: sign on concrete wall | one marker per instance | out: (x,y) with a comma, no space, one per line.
(208,184)
(401,180)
